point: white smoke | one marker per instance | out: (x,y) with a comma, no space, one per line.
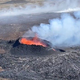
(47,7)
(63,32)
(60,32)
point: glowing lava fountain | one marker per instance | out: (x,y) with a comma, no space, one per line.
(32,41)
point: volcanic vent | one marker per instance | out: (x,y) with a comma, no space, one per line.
(32,41)
(31,46)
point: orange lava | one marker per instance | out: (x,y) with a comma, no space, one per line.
(34,41)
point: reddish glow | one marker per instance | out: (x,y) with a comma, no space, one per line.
(34,41)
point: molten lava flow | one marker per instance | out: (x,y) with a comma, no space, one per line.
(33,41)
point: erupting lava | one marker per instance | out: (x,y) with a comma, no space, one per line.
(33,41)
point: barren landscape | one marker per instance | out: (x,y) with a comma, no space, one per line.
(30,62)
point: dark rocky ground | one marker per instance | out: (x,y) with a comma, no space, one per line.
(24,62)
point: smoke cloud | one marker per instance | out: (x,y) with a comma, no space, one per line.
(61,32)
(47,7)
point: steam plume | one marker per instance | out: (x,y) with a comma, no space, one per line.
(47,7)
(63,32)
(60,32)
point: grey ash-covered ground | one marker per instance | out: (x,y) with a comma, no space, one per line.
(23,62)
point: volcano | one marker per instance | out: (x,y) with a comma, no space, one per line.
(31,46)
(38,42)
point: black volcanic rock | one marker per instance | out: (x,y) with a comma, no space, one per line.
(22,49)
(24,62)
(16,43)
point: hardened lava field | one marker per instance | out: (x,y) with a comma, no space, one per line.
(21,62)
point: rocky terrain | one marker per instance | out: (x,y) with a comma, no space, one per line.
(24,62)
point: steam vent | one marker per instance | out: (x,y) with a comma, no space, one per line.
(39,40)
